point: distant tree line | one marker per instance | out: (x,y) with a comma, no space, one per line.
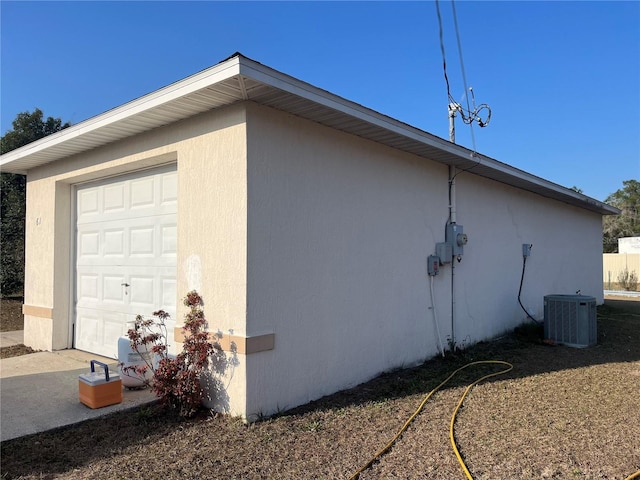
(27,127)
(627,224)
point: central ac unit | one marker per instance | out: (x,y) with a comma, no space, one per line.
(570,320)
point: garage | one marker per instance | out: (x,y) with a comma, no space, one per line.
(306,224)
(125,262)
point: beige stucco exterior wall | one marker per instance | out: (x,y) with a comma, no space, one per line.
(566,256)
(320,238)
(210,152)
(339,233)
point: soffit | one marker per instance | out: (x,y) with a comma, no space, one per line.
(238,79)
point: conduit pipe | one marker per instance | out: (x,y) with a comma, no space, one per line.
(452,213)
(435,314)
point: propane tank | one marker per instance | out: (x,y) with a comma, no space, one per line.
(128,357)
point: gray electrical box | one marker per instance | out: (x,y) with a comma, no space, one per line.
(456,237)
(526,249)
(433,265)
(445,252)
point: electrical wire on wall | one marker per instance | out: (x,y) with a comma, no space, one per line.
(469,116)
(435,314)
(524,266)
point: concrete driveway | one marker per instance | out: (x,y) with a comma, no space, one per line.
(39,391)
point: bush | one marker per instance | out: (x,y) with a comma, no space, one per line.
(628,280)
(175,379)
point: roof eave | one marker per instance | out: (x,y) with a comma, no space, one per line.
(239,78)
(11,161)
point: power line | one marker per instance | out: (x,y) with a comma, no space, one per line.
(467,115)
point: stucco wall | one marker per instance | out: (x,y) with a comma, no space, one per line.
(339,232)
(565,257)
(210,152)
(321,238)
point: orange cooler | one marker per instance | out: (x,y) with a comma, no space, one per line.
(99,389)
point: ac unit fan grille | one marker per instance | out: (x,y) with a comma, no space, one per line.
(570,320)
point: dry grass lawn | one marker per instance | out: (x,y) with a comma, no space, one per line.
(11,318)
(15,351)
(562,413)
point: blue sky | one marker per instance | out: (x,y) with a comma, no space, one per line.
(562,78)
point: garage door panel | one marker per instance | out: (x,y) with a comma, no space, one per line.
(168,293)
(142,193)
(169,190)
(89,243)
(114,327)
(89,329)
(114,199)
(113,290)
(142,291)
(169,240)
(126,255)
(129,241)
(88,204)
(114,243)
(142,241)
(88,287)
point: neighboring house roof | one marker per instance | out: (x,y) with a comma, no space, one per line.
(239,78)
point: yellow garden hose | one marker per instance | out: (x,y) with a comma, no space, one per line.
(455,412)
(381,452)
(633,475)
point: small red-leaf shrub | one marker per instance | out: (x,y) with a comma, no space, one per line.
(176,379)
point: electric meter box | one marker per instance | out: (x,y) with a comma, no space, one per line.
(445,252)
(455,236)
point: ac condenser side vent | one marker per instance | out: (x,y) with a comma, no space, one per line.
(570,320)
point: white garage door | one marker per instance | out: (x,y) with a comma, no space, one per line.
(125,255)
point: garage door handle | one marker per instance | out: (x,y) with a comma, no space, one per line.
(125,284)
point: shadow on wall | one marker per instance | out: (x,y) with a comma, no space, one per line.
(216,379)
(618,342)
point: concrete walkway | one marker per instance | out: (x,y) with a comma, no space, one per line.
(39,391)
(7,339)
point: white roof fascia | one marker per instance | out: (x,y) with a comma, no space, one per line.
(305,90)
(244,68)
(210,76)
(302,89)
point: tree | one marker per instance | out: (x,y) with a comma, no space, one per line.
(627,224)
(27,128)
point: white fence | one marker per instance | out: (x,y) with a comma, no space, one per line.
(615,263)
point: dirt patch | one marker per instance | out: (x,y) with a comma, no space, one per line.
(11,318)
(560,413)
(15,351)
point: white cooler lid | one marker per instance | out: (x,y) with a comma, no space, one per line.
(98,378)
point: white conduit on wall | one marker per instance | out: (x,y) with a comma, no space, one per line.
(435,314)
(452,219)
